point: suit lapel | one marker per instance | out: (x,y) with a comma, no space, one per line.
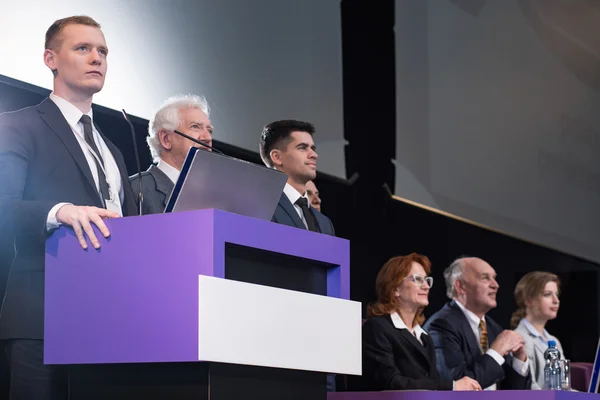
(429,347)
(287,206)
(493,329)
(163,183)
(464,326)
(412,340)
(51,114)
(322,222)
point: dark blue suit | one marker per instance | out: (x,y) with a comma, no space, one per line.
(41,165)
(286,214)
(458,353)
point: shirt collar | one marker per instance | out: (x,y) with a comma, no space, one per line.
(171,172)
(471,317)
(293,195)
(71,113)
(534,332)
(399,324)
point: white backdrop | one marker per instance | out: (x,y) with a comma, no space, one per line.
(255,61)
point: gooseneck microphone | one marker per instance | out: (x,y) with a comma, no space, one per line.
(198,142)
(137,161)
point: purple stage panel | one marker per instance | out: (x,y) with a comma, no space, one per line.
(443,395)
(136,298)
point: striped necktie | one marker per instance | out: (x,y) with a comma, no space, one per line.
(483,340)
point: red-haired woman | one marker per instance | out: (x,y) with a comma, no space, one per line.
(397,353)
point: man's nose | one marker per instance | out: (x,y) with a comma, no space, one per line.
(95,56)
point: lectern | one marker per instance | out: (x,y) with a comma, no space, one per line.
(200,304)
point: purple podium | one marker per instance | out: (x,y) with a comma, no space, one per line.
(486,395)
(198,304)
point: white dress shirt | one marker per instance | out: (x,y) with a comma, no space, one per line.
(521,367)
(113,177)
(293,195)
(171,172)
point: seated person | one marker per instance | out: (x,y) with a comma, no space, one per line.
(467,341)
(397,353)
(537,301)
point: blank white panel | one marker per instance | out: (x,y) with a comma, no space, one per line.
(243,323)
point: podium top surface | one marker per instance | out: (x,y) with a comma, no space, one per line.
(196,239)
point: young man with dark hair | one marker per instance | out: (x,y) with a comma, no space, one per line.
(288,146)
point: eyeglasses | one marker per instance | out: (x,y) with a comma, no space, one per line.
(420,280)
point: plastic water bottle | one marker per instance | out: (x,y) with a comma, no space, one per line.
(552,370)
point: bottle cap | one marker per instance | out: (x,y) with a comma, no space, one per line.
(551,343)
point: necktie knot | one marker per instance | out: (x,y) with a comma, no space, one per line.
(85,120)
(302,202)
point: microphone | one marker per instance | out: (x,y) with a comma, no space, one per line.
(198,142)
(137,160)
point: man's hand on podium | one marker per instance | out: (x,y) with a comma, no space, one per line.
(80,218)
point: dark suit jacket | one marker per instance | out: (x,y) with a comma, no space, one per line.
(156,189)
(393,359)
(459,354)
(286,214)
(41,165)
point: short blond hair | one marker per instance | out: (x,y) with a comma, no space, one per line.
(53,34)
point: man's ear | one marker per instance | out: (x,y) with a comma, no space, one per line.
(165,139)
(460,286)
(50,60)
(276,157)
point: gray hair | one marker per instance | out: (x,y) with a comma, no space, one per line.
(167,117)
(451,274)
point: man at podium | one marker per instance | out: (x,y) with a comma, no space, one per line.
(288,146)
(56,168)
(188,114)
